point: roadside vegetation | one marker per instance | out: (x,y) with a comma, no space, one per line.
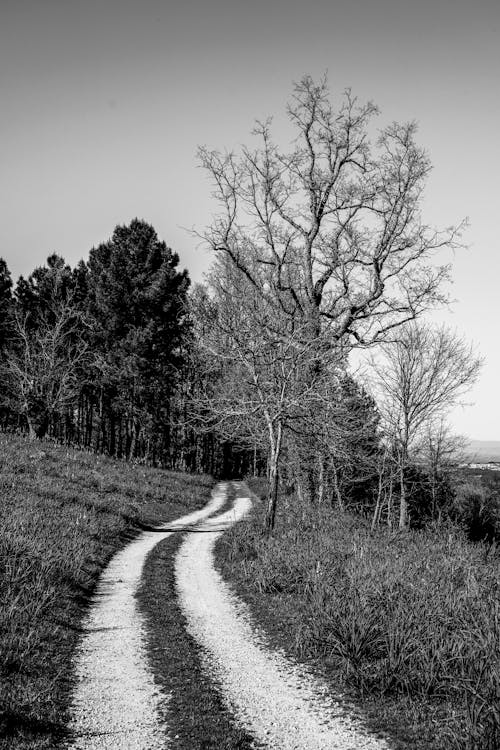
(63,513)
(405,623)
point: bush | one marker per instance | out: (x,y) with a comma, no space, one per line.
(477,509)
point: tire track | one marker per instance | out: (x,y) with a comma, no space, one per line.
(282,705)
(116,702)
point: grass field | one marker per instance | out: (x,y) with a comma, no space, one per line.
(405,624)
(63,514)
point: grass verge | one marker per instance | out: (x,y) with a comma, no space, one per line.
(405,624)
(63,514)
(195,708)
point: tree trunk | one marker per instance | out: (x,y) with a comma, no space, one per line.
(321,479)
(389,501)
(272,498)
(300,491)
(434,481)
(376,512)
(311,482)
(336,489)
(403,504)
(133,442)
(380,491)
(31,429)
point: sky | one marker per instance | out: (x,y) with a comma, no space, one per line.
(104,104)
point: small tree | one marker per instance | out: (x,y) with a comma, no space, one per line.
(41,368)
(261,394)
(417,380)
(439,451)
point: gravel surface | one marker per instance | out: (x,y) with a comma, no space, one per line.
(282,705)
(115,705)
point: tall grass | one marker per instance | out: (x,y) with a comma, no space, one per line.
(63,514)
(409,623)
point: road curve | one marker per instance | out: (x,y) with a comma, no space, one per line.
(115,704)
(279,703)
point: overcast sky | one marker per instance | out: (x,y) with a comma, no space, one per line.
(105,102)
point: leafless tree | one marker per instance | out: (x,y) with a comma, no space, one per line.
(416,379)
(331,232)
(260,392)
(39,371)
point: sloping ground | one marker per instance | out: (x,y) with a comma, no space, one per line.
(405,625)
(116,703)
(63,514)
(283,706)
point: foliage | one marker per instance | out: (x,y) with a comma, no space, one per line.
(102,356)
(5,303)
(476,504)
(47,286)
(137,305)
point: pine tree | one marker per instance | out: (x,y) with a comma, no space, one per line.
(137,303)
(5,303)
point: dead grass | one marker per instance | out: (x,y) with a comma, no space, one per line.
(406,623)
(63,514)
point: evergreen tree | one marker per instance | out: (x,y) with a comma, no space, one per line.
(5,303)
(137,304)
(44,290)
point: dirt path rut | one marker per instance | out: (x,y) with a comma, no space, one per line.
(279,703)
(116,702)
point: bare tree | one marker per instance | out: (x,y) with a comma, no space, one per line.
(331,232)
(439,451)
(416,380)
(260,393)
(39,371)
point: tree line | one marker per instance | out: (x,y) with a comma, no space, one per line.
(319,251)
(100,355)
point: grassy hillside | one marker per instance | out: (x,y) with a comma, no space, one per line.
(405,624)
(63,514)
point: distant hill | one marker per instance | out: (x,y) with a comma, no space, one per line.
(484,450)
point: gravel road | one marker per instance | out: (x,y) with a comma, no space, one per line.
(115,705)
(282,705)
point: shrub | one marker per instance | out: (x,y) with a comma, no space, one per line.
(477,508)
